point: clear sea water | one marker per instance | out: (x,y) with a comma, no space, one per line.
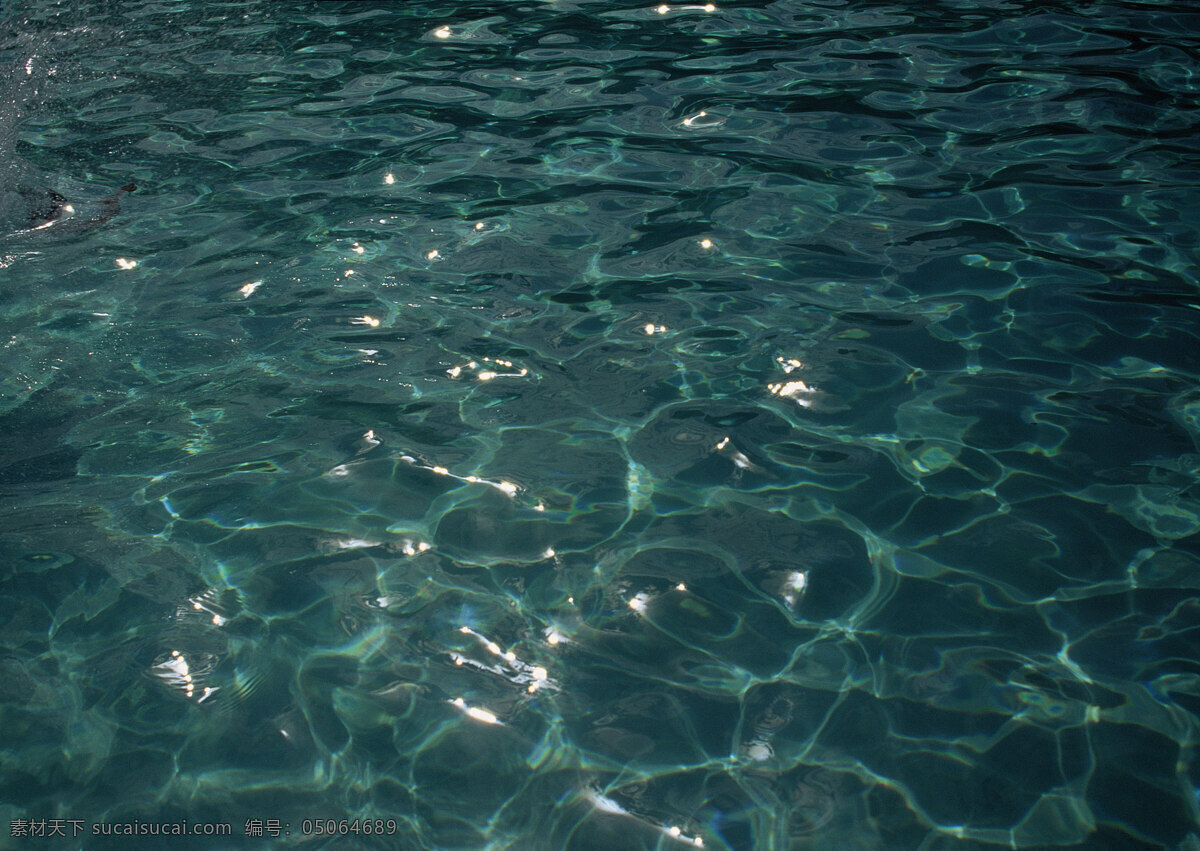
(589,425)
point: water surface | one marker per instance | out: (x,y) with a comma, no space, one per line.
(598,425)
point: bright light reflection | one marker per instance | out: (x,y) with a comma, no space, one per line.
(488,374)
(740,460)
(177,673)
(476,713)
(759,751)
(205,602)
(608,805)
(703,120)
(533,677)
(677,833)
(797,391)
(122,263)
(793,586)
(247,290)
(407,546)
(353,543)
(389,178)
(410,548)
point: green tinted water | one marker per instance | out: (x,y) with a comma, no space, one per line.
(589,425)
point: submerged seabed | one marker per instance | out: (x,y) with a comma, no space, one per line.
(590,425)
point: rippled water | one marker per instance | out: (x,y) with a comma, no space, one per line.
(589,425)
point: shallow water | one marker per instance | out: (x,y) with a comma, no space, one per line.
(589,425)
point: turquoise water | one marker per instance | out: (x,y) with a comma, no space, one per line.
(590,425)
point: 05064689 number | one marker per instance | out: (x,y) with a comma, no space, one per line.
(342,827)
